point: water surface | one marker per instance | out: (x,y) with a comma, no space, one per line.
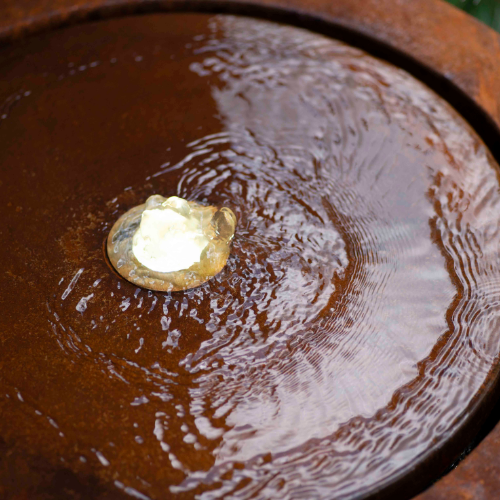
(355,322)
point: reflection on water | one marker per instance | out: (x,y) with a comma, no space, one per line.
(355,319)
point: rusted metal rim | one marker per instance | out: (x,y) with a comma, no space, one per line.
(449,51)
(441,46)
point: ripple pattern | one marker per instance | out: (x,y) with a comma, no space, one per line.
(358,316)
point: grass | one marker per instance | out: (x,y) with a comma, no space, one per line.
(487,11)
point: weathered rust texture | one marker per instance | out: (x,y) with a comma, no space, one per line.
(445,39)
(476,478)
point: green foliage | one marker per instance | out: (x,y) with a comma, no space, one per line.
(487,11)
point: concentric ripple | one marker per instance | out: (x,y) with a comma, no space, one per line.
(358,316)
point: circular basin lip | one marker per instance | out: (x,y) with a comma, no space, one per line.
(401,33)
(476,98)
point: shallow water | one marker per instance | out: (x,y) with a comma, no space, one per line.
(131,243)
(356,319)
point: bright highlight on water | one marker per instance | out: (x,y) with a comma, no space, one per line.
(171,244)
(170,238)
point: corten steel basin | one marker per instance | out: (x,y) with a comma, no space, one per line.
(449,51)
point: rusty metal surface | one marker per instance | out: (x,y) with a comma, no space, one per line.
(444,39)
(476,478)
(431,31)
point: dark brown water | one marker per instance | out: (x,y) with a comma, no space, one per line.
(354,324)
